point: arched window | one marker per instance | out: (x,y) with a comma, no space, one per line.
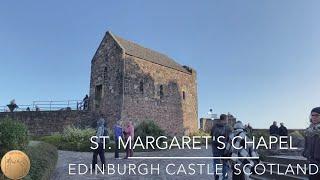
(141,87)
(161,91)
(183,95)
(105,71)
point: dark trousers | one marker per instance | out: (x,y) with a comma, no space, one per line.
(314,177)
(116,150)
(99,151)
(313,170)
(238,177)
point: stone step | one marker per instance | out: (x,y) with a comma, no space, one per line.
(286,159)
(275,176)
(283,162)
(283,167)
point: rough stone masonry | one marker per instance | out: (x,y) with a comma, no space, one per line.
(130,82)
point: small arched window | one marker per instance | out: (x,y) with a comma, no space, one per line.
(105,71)
(161,91)
(183,95)
(141,87)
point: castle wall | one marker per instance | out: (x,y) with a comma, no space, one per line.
(106,71)
(50,122)
(170,111)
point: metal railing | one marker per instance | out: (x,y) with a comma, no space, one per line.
(47,106)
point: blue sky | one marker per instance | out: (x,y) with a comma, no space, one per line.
(259,60)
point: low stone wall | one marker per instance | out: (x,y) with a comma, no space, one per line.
(49,122)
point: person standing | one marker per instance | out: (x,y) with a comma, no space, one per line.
(283,131)
(274,131)
(312,142)
(222,130)
(117,135)
(129,136)
(101,131)
(85,102)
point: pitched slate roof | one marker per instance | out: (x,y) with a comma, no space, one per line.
(136,50)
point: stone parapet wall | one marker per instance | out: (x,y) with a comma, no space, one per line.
(50,122)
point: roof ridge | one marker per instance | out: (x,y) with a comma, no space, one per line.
(137,50)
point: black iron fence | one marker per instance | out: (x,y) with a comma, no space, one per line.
(48,106)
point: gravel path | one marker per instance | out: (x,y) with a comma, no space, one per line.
(176,165)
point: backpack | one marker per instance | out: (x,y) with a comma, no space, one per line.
(219,130)
(105,132)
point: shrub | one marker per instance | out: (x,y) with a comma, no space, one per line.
(201,133)
(148,128)
(257,134)
(43,157)
(72,134)
(72,139)
(13,136)
(77,139)
(297,139)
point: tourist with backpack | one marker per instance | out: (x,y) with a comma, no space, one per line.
(237,148)
(222,130)
(101,131)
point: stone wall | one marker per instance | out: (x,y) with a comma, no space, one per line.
(170,109)
(49,122)
(106,71)
(130,90)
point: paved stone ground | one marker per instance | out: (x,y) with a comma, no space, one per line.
(66,158)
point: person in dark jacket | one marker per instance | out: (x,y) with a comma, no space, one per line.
(274,129)
(283,131)
(312,142)
(221,128)
(118,133)
(85,102)
(101,131)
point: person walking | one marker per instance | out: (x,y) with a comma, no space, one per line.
(117,135)
(222,130)
(101,131)
(312,142)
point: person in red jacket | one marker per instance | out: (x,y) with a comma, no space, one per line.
(129,133)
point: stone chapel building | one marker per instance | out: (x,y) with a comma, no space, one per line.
(130,82)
